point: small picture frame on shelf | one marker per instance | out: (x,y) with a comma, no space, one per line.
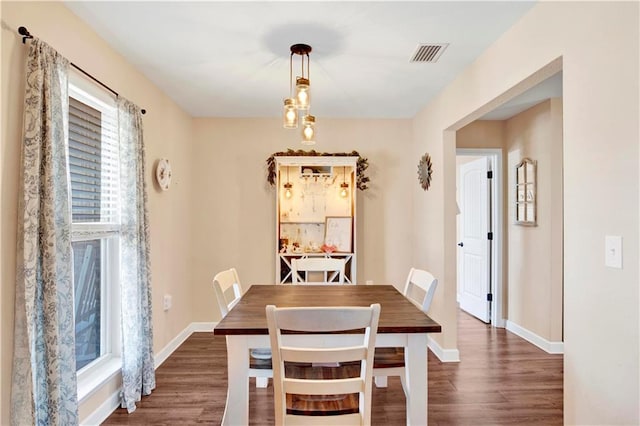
(338,233)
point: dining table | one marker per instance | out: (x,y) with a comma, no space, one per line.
(401,324)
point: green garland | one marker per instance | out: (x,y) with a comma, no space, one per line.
(362,164)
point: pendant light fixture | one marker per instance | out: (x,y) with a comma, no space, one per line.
(290,114)
(344,186)
(287,187)
(296,106)
(308,130)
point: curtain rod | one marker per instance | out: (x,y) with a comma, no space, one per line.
(26,34)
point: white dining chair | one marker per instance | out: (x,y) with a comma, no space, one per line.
(330,270)
(322,320)
(228,290)
(419,290)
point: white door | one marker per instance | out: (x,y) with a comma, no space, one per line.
(474,245)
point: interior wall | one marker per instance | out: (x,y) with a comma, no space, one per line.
(535,252)
(234,219)
(167,133)
(600,151)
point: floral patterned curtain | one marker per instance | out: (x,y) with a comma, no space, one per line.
(44,389)
(138,374)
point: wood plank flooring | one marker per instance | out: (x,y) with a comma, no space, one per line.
(501,379)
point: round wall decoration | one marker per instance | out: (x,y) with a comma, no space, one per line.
(424,171)
(163,174)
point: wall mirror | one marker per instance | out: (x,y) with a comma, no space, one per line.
(526,192)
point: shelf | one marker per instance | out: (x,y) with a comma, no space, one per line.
(316,253)
(302,222)
(316,175)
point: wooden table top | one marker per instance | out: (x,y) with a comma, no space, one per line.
(397,314)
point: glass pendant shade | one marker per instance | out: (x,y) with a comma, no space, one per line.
(303,96)
(309,130)
(344,190)
(287,190)
(290,114)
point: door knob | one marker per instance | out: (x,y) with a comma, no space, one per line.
(461,244)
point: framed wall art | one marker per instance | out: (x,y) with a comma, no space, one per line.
(338,232)
(526,192)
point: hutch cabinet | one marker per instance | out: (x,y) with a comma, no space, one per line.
(315,211)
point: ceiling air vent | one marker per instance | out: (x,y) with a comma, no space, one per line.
(428,52)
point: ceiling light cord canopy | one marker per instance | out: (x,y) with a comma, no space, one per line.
(296,106)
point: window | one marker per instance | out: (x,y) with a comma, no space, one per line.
(94,173)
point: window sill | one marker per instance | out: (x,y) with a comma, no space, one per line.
(90,381)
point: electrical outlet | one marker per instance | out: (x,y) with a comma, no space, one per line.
(166,302)
(369,282)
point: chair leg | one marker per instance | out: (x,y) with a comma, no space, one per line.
(381,381)
(403,380)
(262,382)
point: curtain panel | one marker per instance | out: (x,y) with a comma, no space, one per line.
(44,387)
(138,373)
(44,380)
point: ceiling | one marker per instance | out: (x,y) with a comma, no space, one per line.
(231,59)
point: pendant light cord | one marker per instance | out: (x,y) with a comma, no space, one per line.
(291,76)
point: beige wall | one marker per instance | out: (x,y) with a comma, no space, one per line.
(234,218)
(167,134)
(481,134)
(600,115)
(535,252)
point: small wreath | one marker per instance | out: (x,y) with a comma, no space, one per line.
(424,171)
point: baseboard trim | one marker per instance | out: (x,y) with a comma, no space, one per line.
(544,344)
(501,323)
(113,402)
(165,352)
(444,355)
(103,411)
(202,326)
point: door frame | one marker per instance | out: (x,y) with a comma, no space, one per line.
(497,216)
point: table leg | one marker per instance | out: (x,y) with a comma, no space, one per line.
(236,411)
(416,379)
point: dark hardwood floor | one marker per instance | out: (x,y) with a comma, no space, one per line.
(501,379)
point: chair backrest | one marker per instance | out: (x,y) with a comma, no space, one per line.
(226,285)
(322,320)
(332,270)
(420,288)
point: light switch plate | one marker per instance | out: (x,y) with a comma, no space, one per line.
(166,302)
(613,251)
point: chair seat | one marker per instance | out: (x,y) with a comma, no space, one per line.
(259,363)
(388,358)
(322,405)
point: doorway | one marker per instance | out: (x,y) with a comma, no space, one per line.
(479,233)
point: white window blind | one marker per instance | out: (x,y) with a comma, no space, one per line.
(93,159)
